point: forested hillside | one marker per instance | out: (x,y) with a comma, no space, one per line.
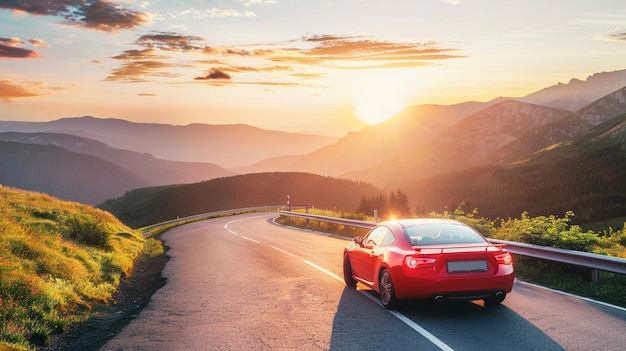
(147,206)
(585,175)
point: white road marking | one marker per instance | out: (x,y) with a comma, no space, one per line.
(406,320)
(324,270)
(605,304)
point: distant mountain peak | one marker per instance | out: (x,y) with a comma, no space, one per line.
(577,93)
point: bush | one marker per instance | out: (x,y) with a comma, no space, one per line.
(152,248)
(85,230)
(548,231)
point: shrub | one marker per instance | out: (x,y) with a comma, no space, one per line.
(85,230)
(152,248)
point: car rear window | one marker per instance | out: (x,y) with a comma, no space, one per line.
(441,233)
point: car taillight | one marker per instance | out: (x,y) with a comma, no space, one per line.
(505,259)
(415,262)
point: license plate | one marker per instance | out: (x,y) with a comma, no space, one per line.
(467,266)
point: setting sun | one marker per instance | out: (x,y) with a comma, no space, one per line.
(378,100)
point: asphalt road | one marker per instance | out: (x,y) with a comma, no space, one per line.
(244,283)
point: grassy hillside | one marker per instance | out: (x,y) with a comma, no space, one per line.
(153,205)
(57,260)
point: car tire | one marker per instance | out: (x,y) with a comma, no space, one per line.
(387,290)
(347,271)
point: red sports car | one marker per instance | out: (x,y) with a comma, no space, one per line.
(426,258)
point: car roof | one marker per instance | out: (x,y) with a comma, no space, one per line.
(408,222)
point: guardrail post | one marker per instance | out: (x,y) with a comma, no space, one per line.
(595,276)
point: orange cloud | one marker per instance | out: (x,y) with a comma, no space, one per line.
(232,51)
(358,53)
(256,69)
(306,54)
(147,54)
(136,71)
(10,91)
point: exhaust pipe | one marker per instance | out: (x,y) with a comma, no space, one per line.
(500,295)
(439,298)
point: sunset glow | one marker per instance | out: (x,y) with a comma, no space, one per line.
(326,67)
(378,99)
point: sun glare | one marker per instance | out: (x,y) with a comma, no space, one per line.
(378,100)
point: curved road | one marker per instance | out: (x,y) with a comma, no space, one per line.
(244,283)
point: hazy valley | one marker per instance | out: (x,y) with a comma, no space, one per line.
(499,156)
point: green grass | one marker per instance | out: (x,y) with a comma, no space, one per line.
(57,260)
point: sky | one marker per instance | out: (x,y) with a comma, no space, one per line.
(313,66)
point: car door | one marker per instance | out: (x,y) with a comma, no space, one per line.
(365,257)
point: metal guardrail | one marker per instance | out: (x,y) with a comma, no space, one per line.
(594,261)
(334,220)
(586,259)
(203,216)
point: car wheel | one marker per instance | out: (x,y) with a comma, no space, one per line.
(347,271)
(387,291)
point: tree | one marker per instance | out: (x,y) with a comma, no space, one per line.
(399,206)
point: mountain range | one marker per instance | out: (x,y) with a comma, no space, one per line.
(227,145)
(509,131)
(67,166)
(424,144)
(407,136)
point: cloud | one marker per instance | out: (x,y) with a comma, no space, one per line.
(148,62)
(258,2)
(9,49)
(278,84)
(108,17)
(304,57)
(215,74)
(230,13)
(136,71)
(308,75)
(256,69)
(347,52)
(147,94)
(358,53)
(233,51)
(618,35)
(210,62)
(38,43)
(214,13)
(10,91)
(102,15)
(170,41)
(134,54)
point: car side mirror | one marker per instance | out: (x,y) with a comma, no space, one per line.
(359,240)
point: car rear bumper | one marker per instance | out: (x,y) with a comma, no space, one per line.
(469,288)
